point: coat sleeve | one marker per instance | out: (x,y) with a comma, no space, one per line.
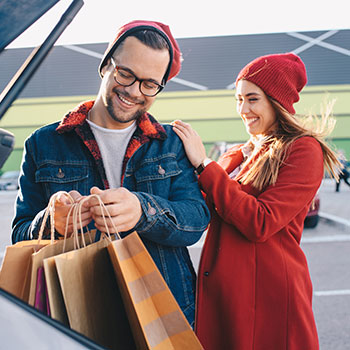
(260,217)
(30,202)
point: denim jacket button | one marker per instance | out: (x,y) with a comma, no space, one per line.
(60,173)
(161,171)
(151,211)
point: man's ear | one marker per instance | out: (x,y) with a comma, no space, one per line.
(105,67)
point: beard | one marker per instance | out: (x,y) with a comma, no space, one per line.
(123,117)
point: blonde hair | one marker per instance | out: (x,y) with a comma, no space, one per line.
(264,167)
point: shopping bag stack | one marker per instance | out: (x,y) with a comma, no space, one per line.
(110,290)
(91,294)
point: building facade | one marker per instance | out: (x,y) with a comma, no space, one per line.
(202,94)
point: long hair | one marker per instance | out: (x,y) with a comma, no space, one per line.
(264,165)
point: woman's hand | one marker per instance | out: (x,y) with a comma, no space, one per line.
(192,142)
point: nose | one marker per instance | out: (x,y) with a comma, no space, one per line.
(243,107)
(134,89)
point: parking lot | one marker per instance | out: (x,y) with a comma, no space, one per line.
(327,249)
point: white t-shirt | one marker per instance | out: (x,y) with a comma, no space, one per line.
(112,144)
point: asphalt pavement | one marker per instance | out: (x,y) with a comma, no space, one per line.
(335,206)
(327,250)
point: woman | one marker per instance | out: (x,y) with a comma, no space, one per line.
(254,287)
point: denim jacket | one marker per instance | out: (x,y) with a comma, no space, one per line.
(65,156)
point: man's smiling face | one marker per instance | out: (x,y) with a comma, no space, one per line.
(124,104)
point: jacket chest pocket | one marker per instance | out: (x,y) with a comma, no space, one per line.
(155,176)
(56,178)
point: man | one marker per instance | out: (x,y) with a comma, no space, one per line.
(112,147)
(343,172)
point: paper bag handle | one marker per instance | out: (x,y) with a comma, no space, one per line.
(50,209)
(75,211)
(104,210)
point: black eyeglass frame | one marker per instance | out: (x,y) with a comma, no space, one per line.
(116,68)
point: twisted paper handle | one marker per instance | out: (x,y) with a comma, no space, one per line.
(75,211)
(50,210)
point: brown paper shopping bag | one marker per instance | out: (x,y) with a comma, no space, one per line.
(91,294)
(16,265)
(56,247)
(57,307)
(156,319)
(16,270)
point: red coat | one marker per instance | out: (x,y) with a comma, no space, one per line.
(254,287)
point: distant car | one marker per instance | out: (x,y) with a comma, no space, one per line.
(9,180)
(312,216)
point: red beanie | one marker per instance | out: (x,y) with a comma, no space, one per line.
(280,76)
(162,29)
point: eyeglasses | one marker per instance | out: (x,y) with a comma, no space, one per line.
(125,77)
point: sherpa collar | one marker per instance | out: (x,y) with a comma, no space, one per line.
(147,128)
(150,128)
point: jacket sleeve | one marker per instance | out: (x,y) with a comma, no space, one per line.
(258,218)
(30,202)
(179,219)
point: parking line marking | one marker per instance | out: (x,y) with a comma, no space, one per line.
(318,239)
(326,239)
(335,218)
(326,293)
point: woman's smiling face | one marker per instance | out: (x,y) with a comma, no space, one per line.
(255,109)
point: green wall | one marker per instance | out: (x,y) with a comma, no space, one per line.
(212,113)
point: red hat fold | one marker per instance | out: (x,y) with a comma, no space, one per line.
(280,76)
(139,25)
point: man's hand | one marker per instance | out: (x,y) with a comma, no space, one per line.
(122,205)
(62,208)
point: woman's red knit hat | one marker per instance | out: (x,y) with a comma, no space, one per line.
(139,25)
(280,76)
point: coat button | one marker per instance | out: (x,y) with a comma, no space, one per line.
(206,273)
(161,171)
